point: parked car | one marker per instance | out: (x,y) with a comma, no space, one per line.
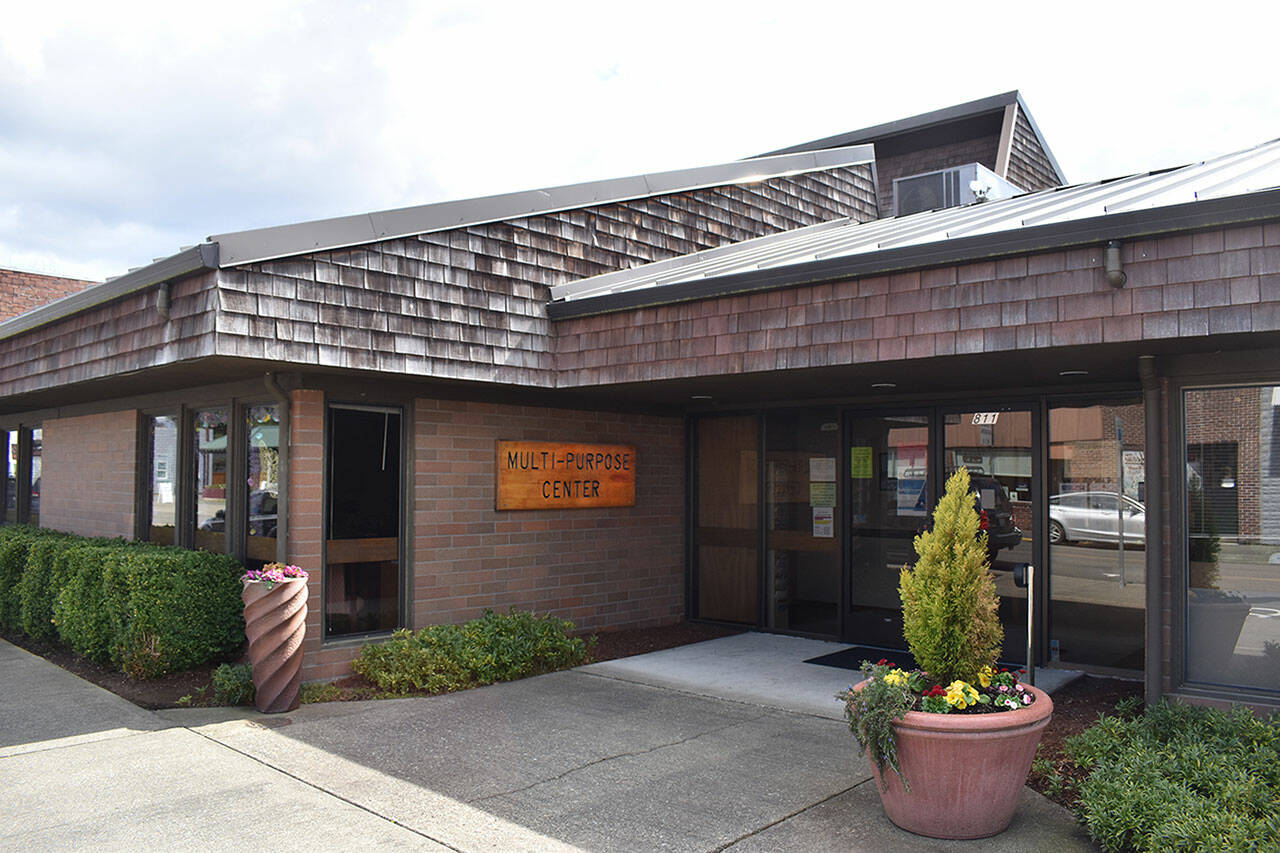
(995,512)
(1095,517)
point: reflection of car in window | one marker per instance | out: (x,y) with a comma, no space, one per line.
(263,515)
(1095,517)
(995,513)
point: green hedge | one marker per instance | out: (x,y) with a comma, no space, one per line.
(1181,778)
(495,647)
(148,609)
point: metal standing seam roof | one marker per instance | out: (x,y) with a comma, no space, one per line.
(1241,173)
(261,244)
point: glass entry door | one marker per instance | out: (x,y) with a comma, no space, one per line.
(889,498)
(996,446)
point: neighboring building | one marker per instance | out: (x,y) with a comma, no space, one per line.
(22,291)
(780,372)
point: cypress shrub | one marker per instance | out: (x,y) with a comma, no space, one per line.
(949,601)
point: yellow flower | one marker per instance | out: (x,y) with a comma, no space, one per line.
(984,676)
(896,677)
(961,695)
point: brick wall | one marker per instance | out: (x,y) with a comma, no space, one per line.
(22,291)
(89,472)
(1219,282)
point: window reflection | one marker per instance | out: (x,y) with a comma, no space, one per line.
(164,475)
(37,448)
(1232,519)
(211,479)
(11,482)
(262,430)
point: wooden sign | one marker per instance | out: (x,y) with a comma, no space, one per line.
(554,475)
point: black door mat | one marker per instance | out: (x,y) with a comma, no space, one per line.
(852,657)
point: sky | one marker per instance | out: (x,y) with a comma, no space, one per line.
(129,130)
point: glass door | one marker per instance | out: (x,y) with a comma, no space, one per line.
(889,497)
(1096,489)
(996,446)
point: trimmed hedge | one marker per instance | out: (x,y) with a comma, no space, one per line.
(147,609)
(493,648)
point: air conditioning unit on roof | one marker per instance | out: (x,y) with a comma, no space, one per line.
(952,187)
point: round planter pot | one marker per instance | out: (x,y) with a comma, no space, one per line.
(275,623)
(966,771)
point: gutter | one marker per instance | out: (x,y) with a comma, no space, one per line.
(195,259)
(1094,230)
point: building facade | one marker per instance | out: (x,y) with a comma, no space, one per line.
(792,369)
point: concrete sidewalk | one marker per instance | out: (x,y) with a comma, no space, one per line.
(589,759)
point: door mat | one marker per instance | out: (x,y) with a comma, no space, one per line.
(852,657)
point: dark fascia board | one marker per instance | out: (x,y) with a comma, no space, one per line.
(906,125)
(1189,216)
(262,244)
(195,259)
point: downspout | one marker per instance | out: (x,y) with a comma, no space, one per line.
(1154,663)
(282,496)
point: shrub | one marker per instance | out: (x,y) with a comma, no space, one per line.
(14,543)
(175,608)
(949,602)
(1181,778)
(43,578)
(233,684)
(80,612)
(493,648)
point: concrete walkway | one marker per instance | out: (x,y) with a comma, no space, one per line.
(599,758)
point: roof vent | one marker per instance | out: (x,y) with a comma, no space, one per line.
(958,185)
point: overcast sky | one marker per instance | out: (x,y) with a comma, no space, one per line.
(128,130)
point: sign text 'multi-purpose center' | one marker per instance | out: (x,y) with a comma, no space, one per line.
(555,475)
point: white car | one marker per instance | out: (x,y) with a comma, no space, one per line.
(1095,516)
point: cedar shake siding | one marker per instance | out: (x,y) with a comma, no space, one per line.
(1029,167)
(1217,282)
(22,291)
(122,336)
(470,303)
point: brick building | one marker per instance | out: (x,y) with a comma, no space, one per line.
(22,291)
(792,369)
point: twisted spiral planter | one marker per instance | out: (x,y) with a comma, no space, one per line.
(275,621)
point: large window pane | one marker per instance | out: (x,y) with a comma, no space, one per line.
(1097,472)
(1232,522)
(11,483)
(37,459)
(211,479)
(262,430)
(802,569)
(164,478)
(728,521)
(362,572)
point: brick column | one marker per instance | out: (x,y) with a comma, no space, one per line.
(306,514)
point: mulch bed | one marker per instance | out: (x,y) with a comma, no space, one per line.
(1076,706)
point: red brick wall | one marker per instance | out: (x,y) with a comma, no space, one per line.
(599,567)
(89,470)
(616,567)
(22,291)
(1187,286)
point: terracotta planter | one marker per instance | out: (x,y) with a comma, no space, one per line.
(275,623)
(966,771)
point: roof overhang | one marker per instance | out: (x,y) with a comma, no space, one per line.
(195,259)
(1233,210)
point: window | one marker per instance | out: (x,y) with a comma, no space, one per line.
(261,509)
(210,482)
(162,441)
(1231,547)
